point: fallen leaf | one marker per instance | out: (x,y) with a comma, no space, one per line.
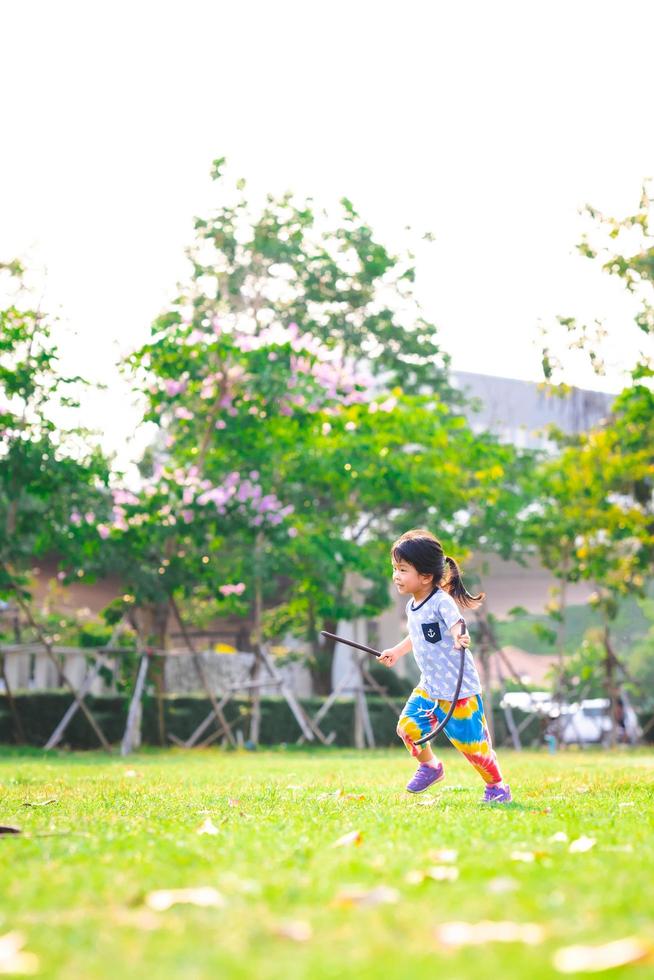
(502,886)
(234,802)
(40,802)
(354,837)
(560,837)
(298,931)
(132,774)
(440,872)
(582,844)
(13,958)
(527,857)
(426,801)
(10,830)
(480,933)
(208,827)
(444,856)
(622,805)
(206,897)
(366,898)
(594,959)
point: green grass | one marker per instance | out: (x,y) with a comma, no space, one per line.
(75,881)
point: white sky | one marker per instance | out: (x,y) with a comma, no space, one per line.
(489,123)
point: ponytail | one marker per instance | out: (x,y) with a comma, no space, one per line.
(453,583)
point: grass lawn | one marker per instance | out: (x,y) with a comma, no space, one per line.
(76,882)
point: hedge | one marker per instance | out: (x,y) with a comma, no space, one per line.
(41,712)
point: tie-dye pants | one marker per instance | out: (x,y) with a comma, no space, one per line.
(466,729)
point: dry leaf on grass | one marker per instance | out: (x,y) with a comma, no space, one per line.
(439,872)
(480,933)
(527,857)
(426,801)
(132,774)
(502,886)
(354,837)
(582,844)
(444,856)
(622,805)
(13,958)
(357,797)
(10,830)
(164,899)
(560,837)
(208,827)
(298,931)
(366,897)
(595,959)
(233,802)
(40,802)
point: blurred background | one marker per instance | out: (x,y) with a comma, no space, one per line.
(278,283)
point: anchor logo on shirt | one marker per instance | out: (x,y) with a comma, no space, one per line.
(432,632)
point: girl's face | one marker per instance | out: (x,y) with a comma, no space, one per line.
(407,579)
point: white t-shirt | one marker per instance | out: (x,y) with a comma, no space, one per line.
(433,647)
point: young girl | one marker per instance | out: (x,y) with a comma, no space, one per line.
(437,632)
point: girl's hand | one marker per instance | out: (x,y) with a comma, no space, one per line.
(389,657)
(462,640)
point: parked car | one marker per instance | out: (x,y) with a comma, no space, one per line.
(589,722)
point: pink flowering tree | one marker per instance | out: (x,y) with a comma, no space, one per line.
(303,419)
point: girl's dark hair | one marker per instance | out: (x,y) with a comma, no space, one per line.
(425,552)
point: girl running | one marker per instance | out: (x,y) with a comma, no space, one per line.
(437,632)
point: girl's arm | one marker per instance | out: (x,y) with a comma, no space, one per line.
(391,656)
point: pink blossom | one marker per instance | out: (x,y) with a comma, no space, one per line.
(237,589)
(254,474)
(89,517)
(350,426)
(103,531)
(75,518)
(174,387)
(217,329)
(389,404)
(187,516)
(293,532)
(221,424)
(188,495)
(183,413)
(61,576)
(125,497)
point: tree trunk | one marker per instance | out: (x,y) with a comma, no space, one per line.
(154,630)
(320,665)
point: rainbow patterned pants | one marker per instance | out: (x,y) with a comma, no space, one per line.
(466,729)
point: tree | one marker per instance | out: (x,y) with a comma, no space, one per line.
(596,518)
(46,469)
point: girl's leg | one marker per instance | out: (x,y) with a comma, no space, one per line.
(468,732)
(417,719)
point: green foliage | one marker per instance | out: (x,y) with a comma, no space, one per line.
(46,470)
